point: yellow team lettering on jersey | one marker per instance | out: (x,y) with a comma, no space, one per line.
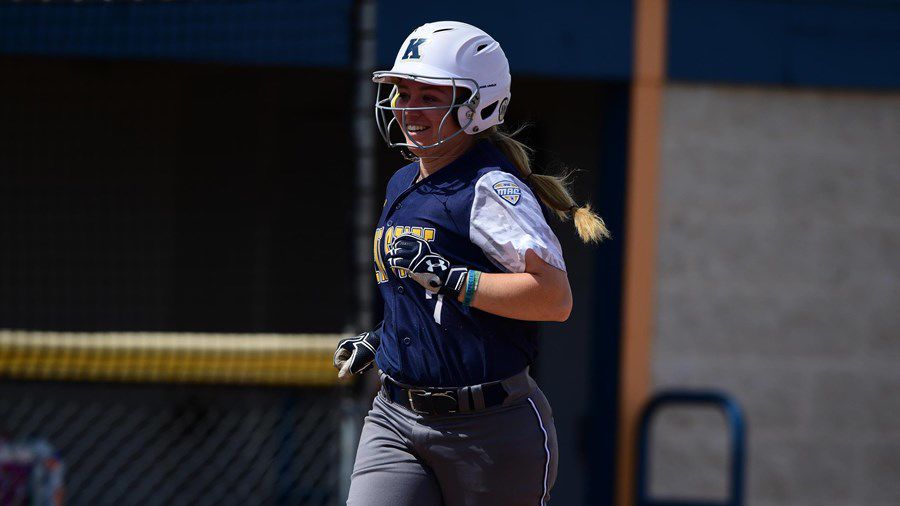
(388,234)
(380,276)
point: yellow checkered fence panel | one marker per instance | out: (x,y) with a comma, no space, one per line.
(265,359)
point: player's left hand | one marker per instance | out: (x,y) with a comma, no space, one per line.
(413,255)
(356,355)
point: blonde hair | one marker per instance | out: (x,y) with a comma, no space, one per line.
(552,190)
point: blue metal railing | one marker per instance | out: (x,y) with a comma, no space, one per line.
(733,416)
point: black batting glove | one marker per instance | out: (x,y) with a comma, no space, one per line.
(356,355)
(414,256)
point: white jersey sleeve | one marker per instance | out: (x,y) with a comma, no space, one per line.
(507,221)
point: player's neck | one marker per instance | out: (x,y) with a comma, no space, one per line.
(436,158)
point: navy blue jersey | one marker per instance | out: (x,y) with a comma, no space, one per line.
(476,213)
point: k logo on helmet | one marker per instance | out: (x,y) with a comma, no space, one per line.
(412,50)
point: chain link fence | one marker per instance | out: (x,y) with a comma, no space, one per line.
(183,444)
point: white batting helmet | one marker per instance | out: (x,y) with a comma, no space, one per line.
(448,53)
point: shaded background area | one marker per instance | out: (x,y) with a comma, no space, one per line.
(192,167)
(154,196)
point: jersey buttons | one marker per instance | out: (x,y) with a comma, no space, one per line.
(400,290)
(407,341)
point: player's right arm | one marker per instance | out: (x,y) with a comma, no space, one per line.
(541,293)
(508,224)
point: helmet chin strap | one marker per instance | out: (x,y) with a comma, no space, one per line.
(407,154)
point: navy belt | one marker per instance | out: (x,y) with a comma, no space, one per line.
(445,401)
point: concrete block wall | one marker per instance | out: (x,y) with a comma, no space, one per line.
(779,281)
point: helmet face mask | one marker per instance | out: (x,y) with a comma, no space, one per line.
(447,54)
(386,113)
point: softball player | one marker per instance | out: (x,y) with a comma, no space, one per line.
(467,266)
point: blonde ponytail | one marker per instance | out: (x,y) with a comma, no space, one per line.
(552,190)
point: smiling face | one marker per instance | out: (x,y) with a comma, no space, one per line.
(424,127)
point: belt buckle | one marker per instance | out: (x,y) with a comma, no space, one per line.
(432,395)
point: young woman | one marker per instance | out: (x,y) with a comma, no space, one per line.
(467,266)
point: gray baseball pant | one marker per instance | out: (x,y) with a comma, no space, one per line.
(501,456)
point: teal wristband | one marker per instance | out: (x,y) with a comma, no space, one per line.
(471,285)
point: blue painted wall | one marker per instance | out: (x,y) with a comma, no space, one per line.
(589,39)
(845,43)
(264,32)
(839,43)
(570,39)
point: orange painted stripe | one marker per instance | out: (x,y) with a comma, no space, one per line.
(641,225)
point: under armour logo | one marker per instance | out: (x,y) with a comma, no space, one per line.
(412,50)
(442,265)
